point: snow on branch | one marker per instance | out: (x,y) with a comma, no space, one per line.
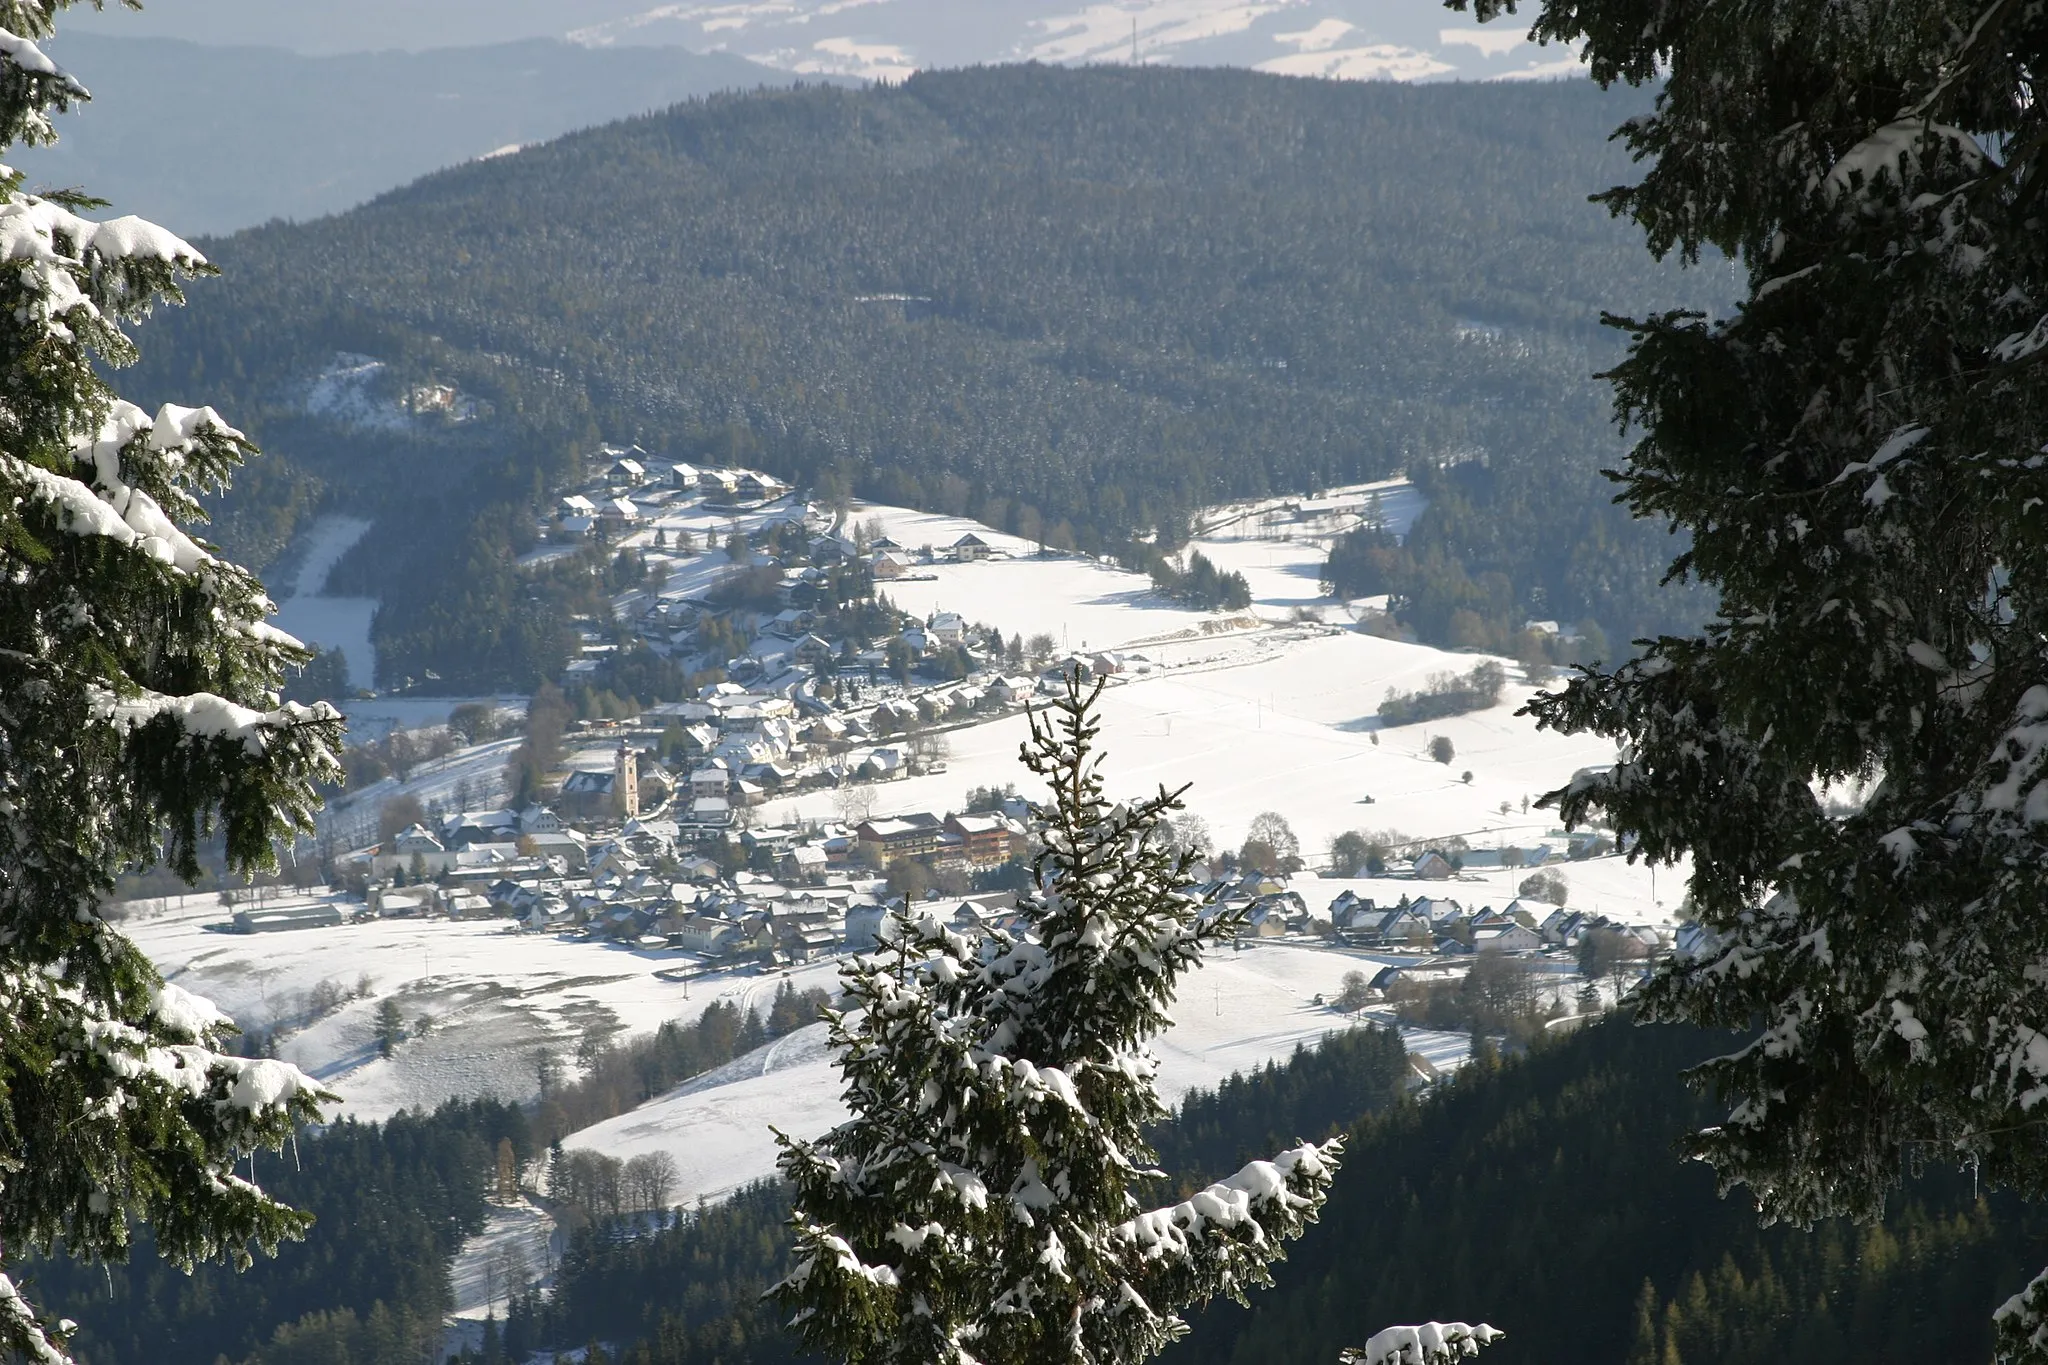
(36,62)
(1230,1204)
(21,1331)
(2022,1323)
(139,523)
(202,715)
(1894,152)
(1432,1343)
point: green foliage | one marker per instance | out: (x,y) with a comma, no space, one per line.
(983,1188)
(392,1204)
(474,722)
(324,677)
(989,799)
(1148,289)
(1855,456)
(139,718)
(1544,1193)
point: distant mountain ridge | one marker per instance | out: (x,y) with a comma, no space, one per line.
(887,39)
(247,134)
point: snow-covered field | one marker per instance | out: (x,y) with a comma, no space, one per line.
(1238,1011)
(495,996)
(1285,721)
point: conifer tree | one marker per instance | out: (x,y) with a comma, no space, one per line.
(139,715)
(1853,751)
(980,1204)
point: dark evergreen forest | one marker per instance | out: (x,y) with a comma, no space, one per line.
(394,1202)
(1077,304)
(1542,1194)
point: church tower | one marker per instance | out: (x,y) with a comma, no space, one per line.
(626,782)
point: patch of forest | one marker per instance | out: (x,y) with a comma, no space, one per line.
(1076,304)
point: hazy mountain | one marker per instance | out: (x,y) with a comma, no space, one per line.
(210,139)
(1355,39)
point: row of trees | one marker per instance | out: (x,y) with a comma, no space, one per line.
(597,1186)
(616,1076)
(1201,584)
(1446,694)
(392,1202)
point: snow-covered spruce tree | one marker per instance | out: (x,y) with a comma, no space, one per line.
(138,716)
(979,1205)
(1857,456)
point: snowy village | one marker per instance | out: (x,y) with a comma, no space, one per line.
(1054,683)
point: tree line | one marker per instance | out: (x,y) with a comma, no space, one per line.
(617,1076)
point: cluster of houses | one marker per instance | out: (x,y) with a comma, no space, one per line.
(778,896)
(633,488)
(1441,924)
(784,644)
(772,895)
(700,763)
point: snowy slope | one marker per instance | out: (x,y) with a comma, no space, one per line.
(1284,720)
(495,996)
(1239,1011)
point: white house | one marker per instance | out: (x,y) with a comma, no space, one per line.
(1507,938)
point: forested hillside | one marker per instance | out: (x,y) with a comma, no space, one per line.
(1076,304)
(1544,1196)
(369,1283)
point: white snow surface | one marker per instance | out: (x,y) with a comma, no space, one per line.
(1238,1011)
(1284,720)
(479,1274)
(331,622)
(495,996)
